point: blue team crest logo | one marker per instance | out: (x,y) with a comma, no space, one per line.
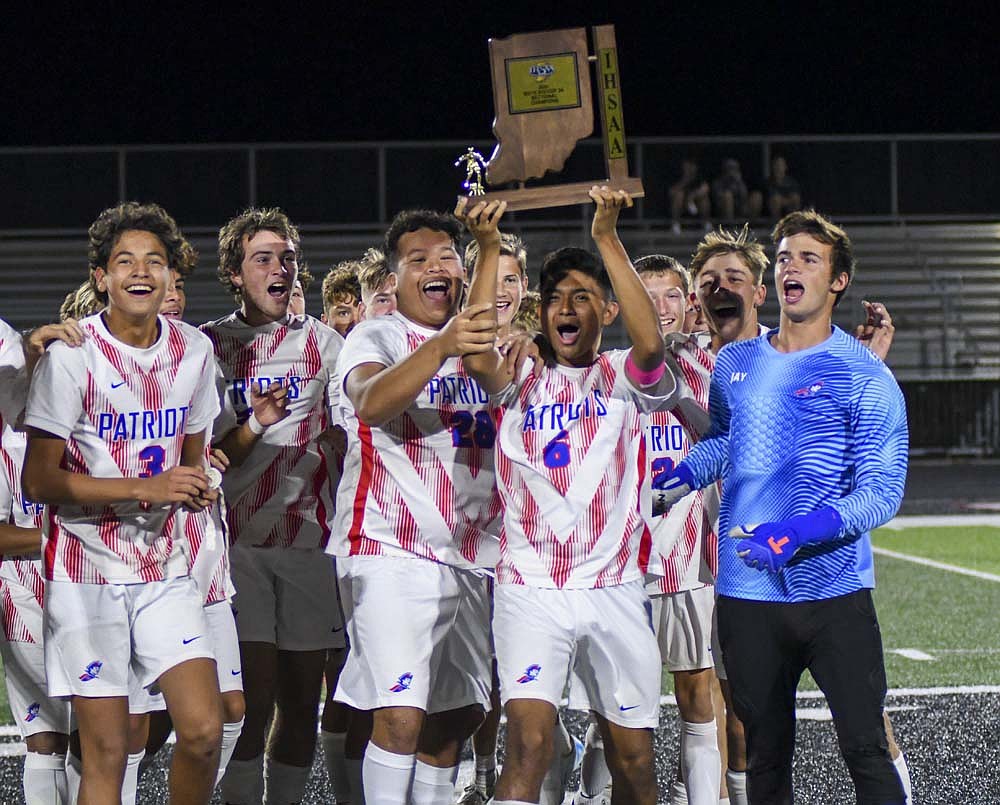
(810,391)
(530,674)
(403,683)
(93,671)
(33,709)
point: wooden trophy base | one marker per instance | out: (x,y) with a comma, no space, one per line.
(562,195)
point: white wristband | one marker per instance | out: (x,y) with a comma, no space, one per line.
(255,426)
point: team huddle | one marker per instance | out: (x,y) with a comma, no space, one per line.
(449,503)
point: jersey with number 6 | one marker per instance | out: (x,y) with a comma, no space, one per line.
(279,497)
(22,587)
(123,412)
(569,467)
(423,483)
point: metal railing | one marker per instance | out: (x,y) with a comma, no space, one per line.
(350,185)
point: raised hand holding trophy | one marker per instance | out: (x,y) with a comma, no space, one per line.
(544,106)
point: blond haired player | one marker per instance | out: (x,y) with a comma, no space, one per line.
(279,398)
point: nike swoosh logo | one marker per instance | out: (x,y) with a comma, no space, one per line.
(117,385)
(190,639)
(623,708)
(336,629)
(236,673)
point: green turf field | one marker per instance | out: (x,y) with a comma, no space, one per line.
(950,617)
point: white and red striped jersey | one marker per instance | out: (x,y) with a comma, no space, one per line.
(685,542)
(207,539)
(124,413)
(22,587)
(569,469)
(13,378)
(422,484)
(280,495)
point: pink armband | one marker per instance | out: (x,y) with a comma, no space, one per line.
(643,379)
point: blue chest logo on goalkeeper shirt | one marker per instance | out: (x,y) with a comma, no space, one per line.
(810,390)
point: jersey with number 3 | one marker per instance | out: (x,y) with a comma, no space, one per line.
(423,483)
(123,412)
(569,466)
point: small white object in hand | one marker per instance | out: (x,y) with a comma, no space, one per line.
(214,478)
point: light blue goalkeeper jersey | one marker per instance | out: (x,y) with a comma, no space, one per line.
(791,433)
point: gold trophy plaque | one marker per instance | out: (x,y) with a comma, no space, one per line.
(543,100)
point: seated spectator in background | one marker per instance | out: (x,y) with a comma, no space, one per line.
(689,195)
(783,193)
(731,196)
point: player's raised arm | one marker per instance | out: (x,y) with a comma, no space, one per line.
(637,311)
(483,222)
(380,393)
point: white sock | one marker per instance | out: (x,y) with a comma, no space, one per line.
(433,785)
(45,779)
(284,784)
(552,789)
(243,782)
(230,735)
(130,785)
(678,793)
(701,762)
(736,782)
(388,776)
(74,770)
(356,780)
(723,801)
(333,752)
(904,775)
(594,773)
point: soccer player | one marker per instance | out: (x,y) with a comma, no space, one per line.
(278,371)
(417,518)
(209,566)
(809,435)
(569,594)
(378,285)
(118,456)
(342,297)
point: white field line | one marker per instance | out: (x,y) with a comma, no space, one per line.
(919,560)
(942,521)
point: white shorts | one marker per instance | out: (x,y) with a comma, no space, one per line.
(97,634)
(33,710)
(683,623)
(226,645)
(603,636)
(287,597)
(419,634)
(225,648)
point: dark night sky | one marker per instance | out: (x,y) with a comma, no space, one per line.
(170,76)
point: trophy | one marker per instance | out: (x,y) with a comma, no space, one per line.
(544,106)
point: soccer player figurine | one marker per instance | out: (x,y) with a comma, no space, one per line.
(569,594)
(279,399)
(416,519)
(809,436)
(117,454)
